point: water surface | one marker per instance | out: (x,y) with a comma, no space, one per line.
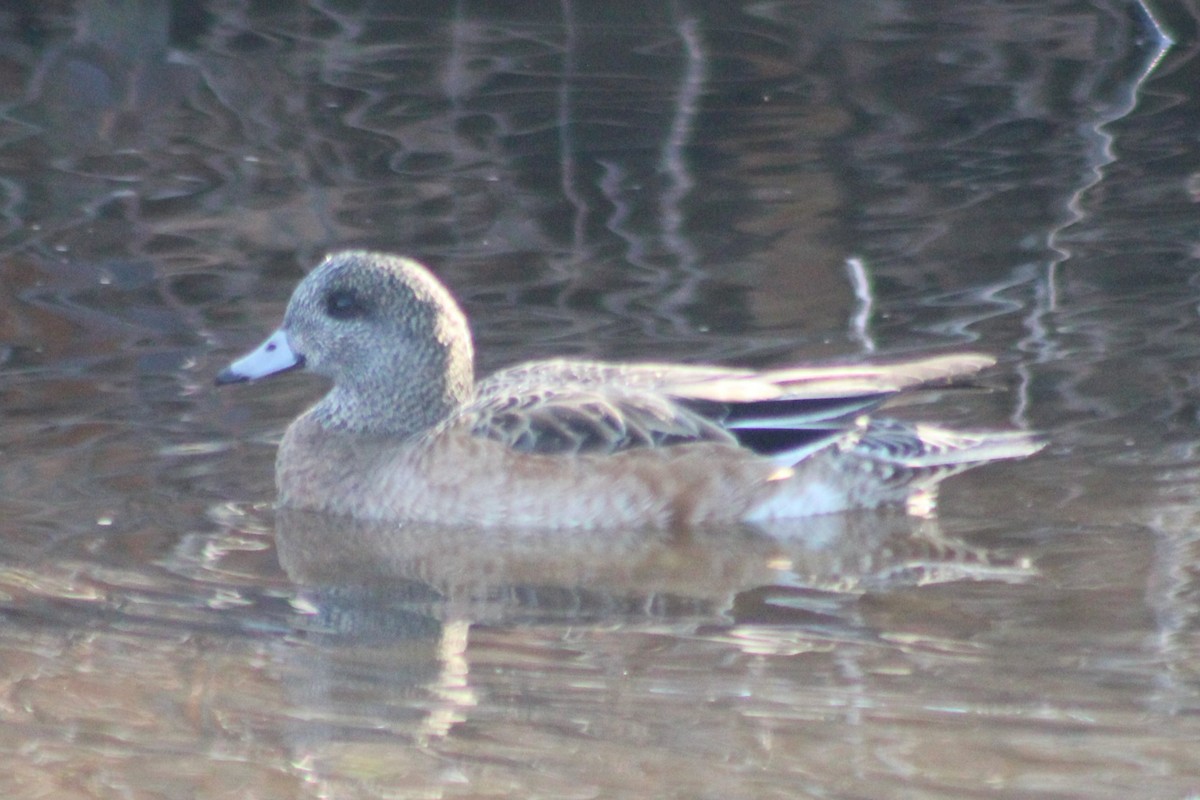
(744,183)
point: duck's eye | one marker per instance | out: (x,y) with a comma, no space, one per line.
(344,304)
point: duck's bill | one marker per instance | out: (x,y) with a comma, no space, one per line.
(273,356)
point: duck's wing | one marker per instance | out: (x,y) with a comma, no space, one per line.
(571,407)
(567,420)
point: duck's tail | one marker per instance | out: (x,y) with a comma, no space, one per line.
(918,446)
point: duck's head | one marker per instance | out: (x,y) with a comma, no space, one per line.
(387,333)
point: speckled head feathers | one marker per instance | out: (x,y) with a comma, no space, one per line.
(389,335)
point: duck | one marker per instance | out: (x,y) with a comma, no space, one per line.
(407,435)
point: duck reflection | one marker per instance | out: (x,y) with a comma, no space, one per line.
(479,574)
(407,596)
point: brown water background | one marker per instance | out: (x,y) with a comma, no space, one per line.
(749,183)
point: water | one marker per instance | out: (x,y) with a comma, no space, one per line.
(742,183)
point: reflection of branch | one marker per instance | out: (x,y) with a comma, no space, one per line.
(673,161)
(860,323)
(1169,595)
(1102,142)
(566,128)
(1040,340)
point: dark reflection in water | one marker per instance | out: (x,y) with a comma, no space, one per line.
(739,182)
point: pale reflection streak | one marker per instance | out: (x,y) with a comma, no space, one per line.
(860,322)
(673,161)
(1169,592)
(685,272)
(566,136)
(452,684)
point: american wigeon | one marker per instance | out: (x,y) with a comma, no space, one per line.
(406,434)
